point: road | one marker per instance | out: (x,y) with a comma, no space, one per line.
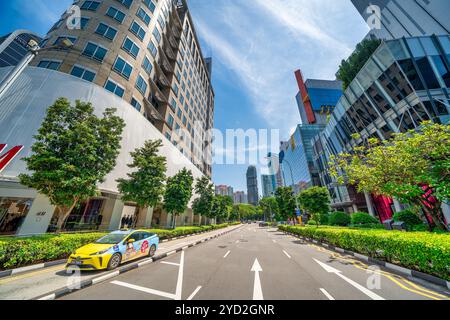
(259,264)
(34,284)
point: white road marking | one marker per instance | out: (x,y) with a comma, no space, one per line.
(287,254)
(180,278)
(105,277)
(325,292)
(257,290)
(194,293)
(170,263)
(274,241)
(226,254)
(146,290)
(171,253)
(364,290)
(237,241)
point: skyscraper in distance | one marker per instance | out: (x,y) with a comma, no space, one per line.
(252,185)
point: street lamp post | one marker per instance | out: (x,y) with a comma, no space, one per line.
(34,50)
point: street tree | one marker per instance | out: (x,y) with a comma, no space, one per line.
(222,207)
(269,206)
(178,193)
(402,168)
(286,202)
(145,184)
(316,202)
(73,152)
(202,205)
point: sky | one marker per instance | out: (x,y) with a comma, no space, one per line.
(256,46)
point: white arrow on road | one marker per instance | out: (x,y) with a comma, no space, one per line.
(257,290)
(366,291)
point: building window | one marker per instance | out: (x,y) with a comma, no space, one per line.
(90,5)
(126,3)
(148,67)
(115,14)
(130,47)
(152,49)
(427,73)
(141,85)
(175,89)
(143,16)
(48,64)
(173,104)
(136,104)
(82,73)
(157,35)
(83,22)
(114,88)
(150,5)
(94,51)
(123,68)
(170,121)
(137,30)
(161,22)
(168,136)
(106,31)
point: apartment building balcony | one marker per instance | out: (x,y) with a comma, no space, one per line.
(164,62)
(176,32)
(152,111)
(161,77)
(176,18)
(157,92)
(168,50)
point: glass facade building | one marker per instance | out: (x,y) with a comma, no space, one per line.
(405,82)
(14,46)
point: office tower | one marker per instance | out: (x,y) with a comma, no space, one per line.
(268,185)
(405,82)
(406,18)
(14,46)
(224,190)
(252,186)
(240,197)
(148,54)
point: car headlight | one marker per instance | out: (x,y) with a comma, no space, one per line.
(100,253)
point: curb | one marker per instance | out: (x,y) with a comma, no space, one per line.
(34,267)
(391,267)
(88,283)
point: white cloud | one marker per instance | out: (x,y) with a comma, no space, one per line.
(264,41)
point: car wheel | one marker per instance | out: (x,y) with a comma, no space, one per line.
(115,261)
(151,252)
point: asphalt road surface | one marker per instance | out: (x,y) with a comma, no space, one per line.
(255,263)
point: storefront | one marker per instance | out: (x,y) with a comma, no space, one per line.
(12,213)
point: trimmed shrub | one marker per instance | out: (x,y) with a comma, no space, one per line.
(312,223)
(18,252)
(339,219)
(324,219)
(410,218)
(361,218)
(422,251)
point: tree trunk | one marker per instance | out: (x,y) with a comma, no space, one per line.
(174,221)
(62,216)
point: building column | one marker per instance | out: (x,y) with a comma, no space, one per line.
(149,218)
(38,218)
(355,208)
(446,210)
(369,204)
(116,207)
(397,205)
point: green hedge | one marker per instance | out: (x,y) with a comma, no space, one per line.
(339,219)
(421,251)
(19,252)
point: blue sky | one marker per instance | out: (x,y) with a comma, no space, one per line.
(256,47)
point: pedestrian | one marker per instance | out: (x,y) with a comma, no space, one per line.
(122,224)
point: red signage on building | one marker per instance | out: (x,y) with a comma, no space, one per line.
(7,157)
(305,97)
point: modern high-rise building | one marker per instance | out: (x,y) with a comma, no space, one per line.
(252,185)
(405,18)
(14,46)
(148,54)
(268,184)
(316,100)
(224,190)
(405,82)
(142,58)
(240,197)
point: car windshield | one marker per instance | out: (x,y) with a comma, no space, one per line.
(111,238)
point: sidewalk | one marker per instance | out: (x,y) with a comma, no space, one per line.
(40,282)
